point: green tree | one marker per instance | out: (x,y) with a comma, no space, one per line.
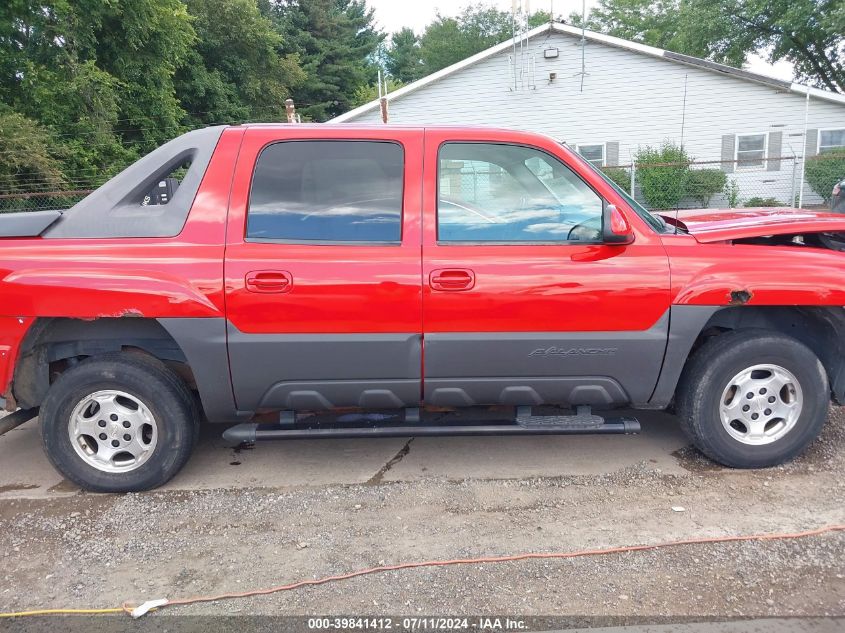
(448,40)
(234,72)
(26,156)
(365,94)
(808,33)
(336,41)
(96,76)
(402,57)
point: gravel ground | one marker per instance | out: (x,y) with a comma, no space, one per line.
(99,550)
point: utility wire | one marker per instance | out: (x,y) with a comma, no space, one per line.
(153,605)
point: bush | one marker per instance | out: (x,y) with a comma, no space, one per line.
(663,174)
(621,177)
(764,202)
(824,171)
(732,193)
(703,184)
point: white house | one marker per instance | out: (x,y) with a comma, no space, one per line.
(608,96)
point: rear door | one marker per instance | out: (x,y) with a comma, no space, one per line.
(322,269)
(522,302)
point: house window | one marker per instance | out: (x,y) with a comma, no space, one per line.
(831,140)
(593,153)
(750,151)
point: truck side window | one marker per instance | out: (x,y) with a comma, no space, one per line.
(327,191)
(509,193)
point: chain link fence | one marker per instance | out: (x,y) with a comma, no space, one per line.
(782,181)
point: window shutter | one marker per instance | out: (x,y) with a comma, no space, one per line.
(611,153)
(812,143)
(775,150)
(728,152)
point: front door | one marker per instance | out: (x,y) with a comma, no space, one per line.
(322,269)
(522,302)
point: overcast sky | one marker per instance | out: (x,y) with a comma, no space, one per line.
(392,15)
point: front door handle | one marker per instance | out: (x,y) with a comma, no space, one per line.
(451,279)
(269,281)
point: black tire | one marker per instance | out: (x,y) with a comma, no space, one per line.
(148,380)
(708,374)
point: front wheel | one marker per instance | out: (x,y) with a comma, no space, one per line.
(753,398)
(118,423)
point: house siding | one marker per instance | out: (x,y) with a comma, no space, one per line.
(628,98)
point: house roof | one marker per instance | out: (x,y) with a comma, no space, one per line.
(608,40)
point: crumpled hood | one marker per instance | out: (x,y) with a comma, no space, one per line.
(717,225)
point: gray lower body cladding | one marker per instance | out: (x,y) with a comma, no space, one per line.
(529,368)
(322,371)
(382,371)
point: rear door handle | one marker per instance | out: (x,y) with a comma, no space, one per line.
(269,281)
(451,279)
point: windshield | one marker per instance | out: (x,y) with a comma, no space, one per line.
(654,221)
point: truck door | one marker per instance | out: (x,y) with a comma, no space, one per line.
(322,270)
(522,303)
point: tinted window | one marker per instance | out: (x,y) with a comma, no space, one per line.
(327,191)
(510,193)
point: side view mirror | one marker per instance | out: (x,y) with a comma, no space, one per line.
(615,228)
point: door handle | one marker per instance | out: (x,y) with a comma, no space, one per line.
(451,279)
(269,281)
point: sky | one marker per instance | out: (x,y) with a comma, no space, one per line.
(392,15)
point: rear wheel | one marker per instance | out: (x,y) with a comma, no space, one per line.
(119,423)
(753,398)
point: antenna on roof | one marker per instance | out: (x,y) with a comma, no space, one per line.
(583,72)
(513,34)
(684,110)
(382,96)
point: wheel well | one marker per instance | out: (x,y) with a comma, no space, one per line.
(822,329)
(54,344)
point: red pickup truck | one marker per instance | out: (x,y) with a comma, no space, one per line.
(324,281)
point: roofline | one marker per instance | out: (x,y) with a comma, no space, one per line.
(608,40)
(443,72)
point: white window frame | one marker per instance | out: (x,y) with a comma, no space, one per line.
(765,164)
(603,152)
(819,139)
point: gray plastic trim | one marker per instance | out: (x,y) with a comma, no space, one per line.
(598,391)
(115,209)
(685,325)
(203,341)
(328,394)
(27,223)
(309,371)
(630,359)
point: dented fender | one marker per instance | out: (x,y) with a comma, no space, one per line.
(727,274)
(89,293)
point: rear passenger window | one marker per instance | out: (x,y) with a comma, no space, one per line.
(327,191)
